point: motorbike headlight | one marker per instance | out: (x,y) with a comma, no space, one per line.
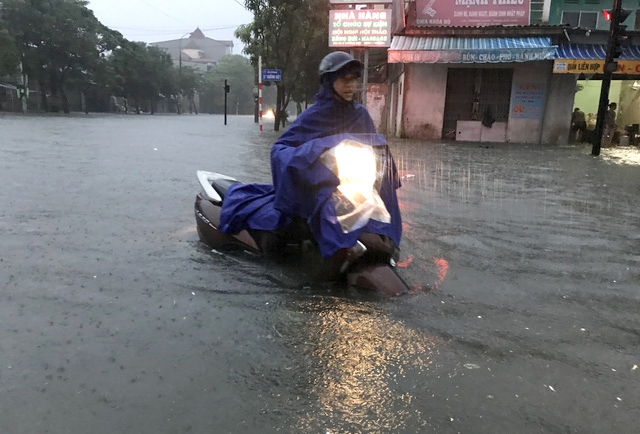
(356,199)
(356,170)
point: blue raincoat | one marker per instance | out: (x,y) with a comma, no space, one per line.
(303,186)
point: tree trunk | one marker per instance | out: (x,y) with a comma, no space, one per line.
(278,113)
(43,96)
(65,101)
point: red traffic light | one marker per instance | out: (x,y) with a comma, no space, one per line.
(608,14)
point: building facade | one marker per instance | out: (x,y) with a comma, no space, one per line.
(197,51)
(587,14)
(489,71)
(582,57)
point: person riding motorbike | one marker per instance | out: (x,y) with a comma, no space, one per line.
(300,191)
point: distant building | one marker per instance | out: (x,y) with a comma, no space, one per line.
(197,50)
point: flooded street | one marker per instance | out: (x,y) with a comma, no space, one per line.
(115,319)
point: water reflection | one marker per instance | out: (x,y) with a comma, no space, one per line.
(628,155)
(365,368)
(514,182)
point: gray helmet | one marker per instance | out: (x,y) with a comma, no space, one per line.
(334,62)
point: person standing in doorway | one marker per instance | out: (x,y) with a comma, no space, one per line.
(578,125)
(609,124)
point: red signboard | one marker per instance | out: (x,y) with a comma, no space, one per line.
(472,12)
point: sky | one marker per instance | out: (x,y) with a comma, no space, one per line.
(162,20)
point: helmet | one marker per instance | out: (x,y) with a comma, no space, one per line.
(334,62)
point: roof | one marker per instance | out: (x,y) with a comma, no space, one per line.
(446,43)
(212,50)
(425,49)
(594,52)
(197,34)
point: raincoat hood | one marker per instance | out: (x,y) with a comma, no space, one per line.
(327,117)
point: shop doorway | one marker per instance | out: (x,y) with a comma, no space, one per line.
(472,92)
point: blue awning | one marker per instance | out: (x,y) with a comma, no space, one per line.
(593,52)
(425,49)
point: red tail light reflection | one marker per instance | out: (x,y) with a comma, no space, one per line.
(406,262)
(442,267)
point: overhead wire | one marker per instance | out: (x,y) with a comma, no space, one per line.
(162,12)
(244,6)
(151,31)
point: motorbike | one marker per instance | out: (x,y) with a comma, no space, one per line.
(368,263)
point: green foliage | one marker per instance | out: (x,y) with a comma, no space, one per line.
(61,41)
(65,49)
(9,55)
(291,35)
(143,73)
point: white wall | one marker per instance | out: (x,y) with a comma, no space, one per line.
(376,104)
(528,130)
(424,97)
(557,119)
(399,104)
(425,92)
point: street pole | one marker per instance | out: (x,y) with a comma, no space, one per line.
(365,77)
(616,35)
(260,90)
(226,90)
(23,89)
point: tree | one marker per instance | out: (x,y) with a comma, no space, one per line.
(189,84)
(160,76)
(61,41)
(143,74)
(9,55)
(290,35)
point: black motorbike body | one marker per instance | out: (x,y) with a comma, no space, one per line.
(368,264)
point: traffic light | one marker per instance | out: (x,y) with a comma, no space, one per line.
(619,37)
(609,14)
(226,87)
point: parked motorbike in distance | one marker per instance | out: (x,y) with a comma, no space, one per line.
(369,263)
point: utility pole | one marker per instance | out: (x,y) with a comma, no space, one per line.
(260,91)
(226,91)
(23,89)
(617,37)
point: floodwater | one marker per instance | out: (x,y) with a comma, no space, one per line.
(525,262)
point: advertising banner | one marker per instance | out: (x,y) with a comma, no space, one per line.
(527,100)
(472,12)
(578,66)
(360,28)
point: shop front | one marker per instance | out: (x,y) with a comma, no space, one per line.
(585,63)
(480,89)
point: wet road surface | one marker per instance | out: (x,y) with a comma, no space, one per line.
(115,319)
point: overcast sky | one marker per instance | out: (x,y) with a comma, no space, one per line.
(162,20)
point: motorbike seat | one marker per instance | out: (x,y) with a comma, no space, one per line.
(222,185)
